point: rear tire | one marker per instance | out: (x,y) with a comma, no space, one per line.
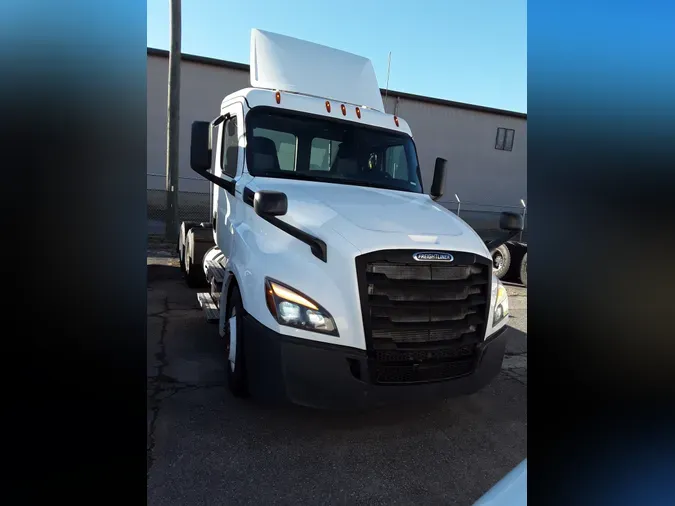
(237,380)
(501,261)
(523,270)
(194,274)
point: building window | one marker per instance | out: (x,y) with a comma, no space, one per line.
(505,139)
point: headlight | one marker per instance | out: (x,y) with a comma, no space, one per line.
(293,309)
(501,310)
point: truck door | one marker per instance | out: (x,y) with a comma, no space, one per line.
(229,158)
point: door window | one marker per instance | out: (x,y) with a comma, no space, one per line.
(229,155)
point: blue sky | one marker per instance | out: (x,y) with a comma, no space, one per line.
(472,51)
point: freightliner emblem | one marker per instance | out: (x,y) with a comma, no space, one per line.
(430,256)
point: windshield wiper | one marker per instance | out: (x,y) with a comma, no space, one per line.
(292,175)
(303,176)
(370,184)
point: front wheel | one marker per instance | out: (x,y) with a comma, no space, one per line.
(523,270)
(234,346)
(501,261)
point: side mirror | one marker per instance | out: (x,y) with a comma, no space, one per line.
(200,154)
(438,183)
(270,203)
(200,146)
(511,222)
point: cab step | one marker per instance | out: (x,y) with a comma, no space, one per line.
(209,306)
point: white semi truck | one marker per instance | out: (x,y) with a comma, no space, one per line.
(334,279)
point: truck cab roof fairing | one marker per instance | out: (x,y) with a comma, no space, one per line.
(279,62)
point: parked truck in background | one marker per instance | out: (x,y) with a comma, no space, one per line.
(334,279)
(510,261)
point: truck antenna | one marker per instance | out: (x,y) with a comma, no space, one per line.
(386,89)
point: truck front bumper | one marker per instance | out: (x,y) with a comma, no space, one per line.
(308,373)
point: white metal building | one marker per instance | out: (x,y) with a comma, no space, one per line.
(486,148)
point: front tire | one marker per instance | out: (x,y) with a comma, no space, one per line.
(501,261)
(523,270)
(234,345)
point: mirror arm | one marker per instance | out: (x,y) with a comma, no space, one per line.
(317,246)
(220,119)
(226,185)
(215,123)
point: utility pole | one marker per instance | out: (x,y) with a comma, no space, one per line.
(172,129)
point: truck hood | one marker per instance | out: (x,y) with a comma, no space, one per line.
(373,218)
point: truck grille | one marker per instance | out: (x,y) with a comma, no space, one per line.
(422,320)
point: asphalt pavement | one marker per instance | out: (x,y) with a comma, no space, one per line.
(205,447)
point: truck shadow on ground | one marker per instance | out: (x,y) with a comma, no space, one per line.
(516,342)
(157,272)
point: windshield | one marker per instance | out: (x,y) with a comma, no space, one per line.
(299,146)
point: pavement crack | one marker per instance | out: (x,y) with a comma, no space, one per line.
(514,377)
(163,386)
(159,314)
(178,388)
(154,399)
